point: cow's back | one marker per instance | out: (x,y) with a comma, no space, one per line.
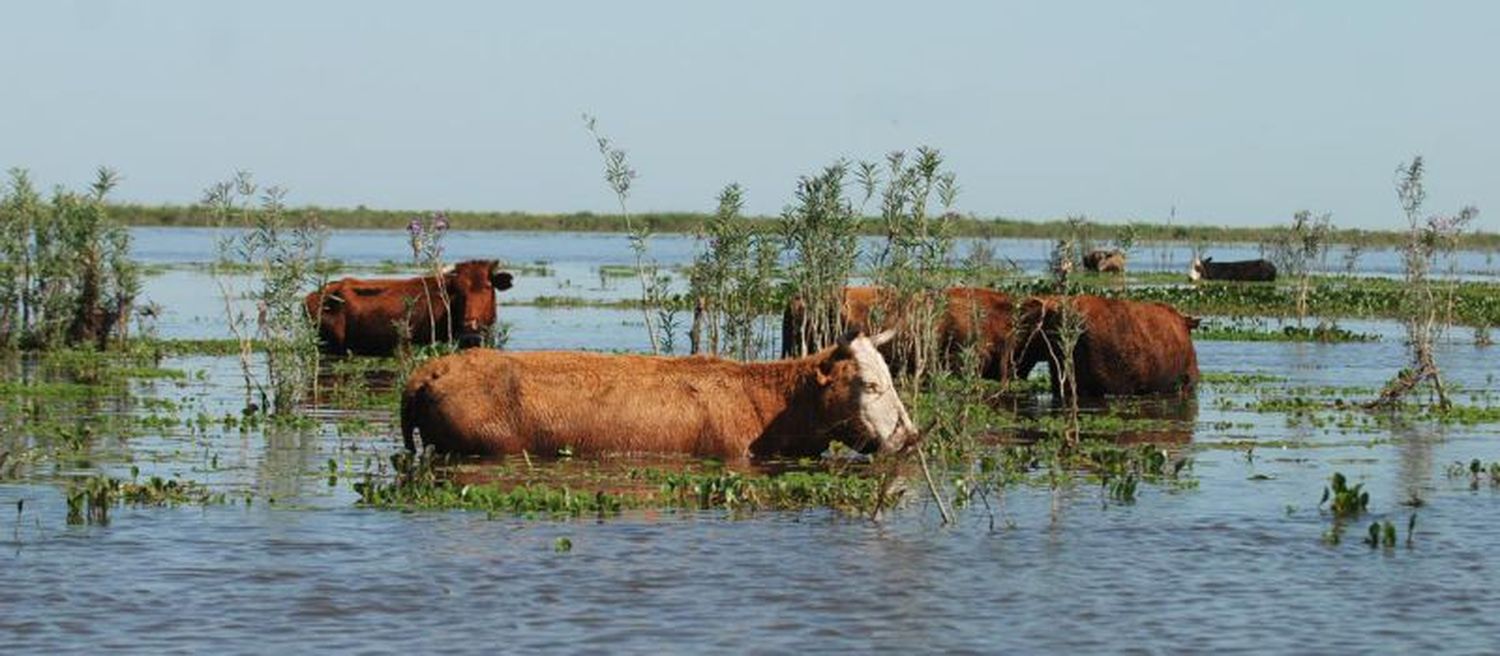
(1132,347)
(484,401)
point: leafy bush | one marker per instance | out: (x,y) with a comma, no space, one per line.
(66,277)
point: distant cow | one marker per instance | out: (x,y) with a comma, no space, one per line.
(1246,270)
(974,318)
(487,402)
(361,316)
(1112,261)
(1127,347)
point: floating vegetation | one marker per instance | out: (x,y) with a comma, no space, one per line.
(90,500)
(1226,378)
(1382,533)
(1323,333)
(1476,471)
(1472,302)
(425,483)
(1344,501)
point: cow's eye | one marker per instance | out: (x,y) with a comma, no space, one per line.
(872,387)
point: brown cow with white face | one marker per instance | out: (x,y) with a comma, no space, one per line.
(1127,347)
(486,402)
(973,318)
(361,316)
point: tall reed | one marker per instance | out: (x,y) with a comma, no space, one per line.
(283,252)
(655,286)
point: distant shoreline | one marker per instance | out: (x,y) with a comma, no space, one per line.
(690,222)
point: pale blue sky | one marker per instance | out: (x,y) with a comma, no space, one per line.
(1235,112)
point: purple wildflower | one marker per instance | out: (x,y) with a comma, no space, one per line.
(415,227)
(440,221)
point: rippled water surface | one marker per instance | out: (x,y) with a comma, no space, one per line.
(1237,563)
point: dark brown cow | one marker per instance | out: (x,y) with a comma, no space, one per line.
(1105,261)
(487,402)
(1127,347)
(361,316)
(971,313)
(1246,270)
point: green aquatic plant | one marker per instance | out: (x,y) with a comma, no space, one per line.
(1428,307)
(90,500)
(731,283)
(821,231)
(425,235)
(285,249)
(1299,249)
(1476,471)
(1381,534)
(655,286)
(1344,501)
(913,268)
(66,277)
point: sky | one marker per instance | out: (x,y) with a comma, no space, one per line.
(1233,113)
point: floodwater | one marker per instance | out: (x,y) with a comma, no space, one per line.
(1237,563)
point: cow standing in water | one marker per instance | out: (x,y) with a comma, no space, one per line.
(361,316)
(1105,261)
(1245,270)
(974,318)
(1127,347)
(486,402)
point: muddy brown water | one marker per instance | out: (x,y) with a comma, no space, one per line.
(1237,563)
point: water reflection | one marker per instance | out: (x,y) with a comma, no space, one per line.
(1158,419)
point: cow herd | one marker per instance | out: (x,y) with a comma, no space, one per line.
(1120,347)
(488,402)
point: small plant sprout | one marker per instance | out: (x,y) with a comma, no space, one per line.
(1343,500)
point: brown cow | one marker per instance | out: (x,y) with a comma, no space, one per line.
(361,316)
(1127,347)
(487,402)
(1105,261)
(957,329)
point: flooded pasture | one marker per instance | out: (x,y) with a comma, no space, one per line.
(1238,556)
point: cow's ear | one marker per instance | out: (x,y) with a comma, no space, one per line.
(840,352)
(843,350)
(502,280)
(1192,322)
